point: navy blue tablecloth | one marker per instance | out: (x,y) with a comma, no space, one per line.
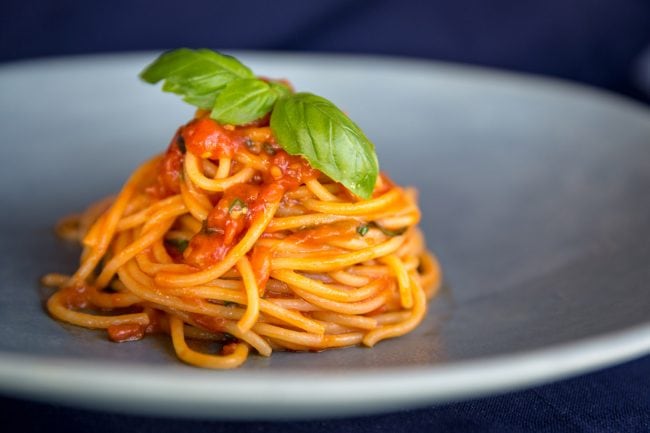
(613,400)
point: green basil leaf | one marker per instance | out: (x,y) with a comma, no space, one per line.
(179,244)
(198,75)
(190,96)
(202,101)
(281,90)
(243,101)
(311,126)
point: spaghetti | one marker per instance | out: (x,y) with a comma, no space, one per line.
(227,238)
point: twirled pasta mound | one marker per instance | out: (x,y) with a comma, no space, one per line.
(228,238)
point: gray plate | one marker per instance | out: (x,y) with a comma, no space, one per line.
(535,196)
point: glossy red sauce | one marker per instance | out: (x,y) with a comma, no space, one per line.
(206,138)
(321,235)
(261,264)
(126,332)
(75,296)
(228,349)
(213,324)
(236,208)
(228,221)
(293,170)
(169,174)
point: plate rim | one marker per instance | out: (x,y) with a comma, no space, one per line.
(40,377)
(147,389)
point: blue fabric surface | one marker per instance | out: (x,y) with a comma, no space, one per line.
(598,42)
(613,400)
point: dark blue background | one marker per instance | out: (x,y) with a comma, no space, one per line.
(598,42)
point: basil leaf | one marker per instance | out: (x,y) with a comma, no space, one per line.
(202,101)
(243,101)
(304,124)
(281,90)
(205,101)
(198,75)
(179,244)
(311,126)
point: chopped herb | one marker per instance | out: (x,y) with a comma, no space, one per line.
(268,148)
(179,244)
(363,229)
(206,229)
(228,338)
(180,142)
(237,207)
(252,146)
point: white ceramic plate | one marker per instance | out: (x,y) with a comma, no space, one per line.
(534,195)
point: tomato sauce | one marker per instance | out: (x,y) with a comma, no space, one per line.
(206,138)
(261,264)
(237,208)
(209,323)
(169,174)
(289,171)
(320,235)
(126,332)
(75,297)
